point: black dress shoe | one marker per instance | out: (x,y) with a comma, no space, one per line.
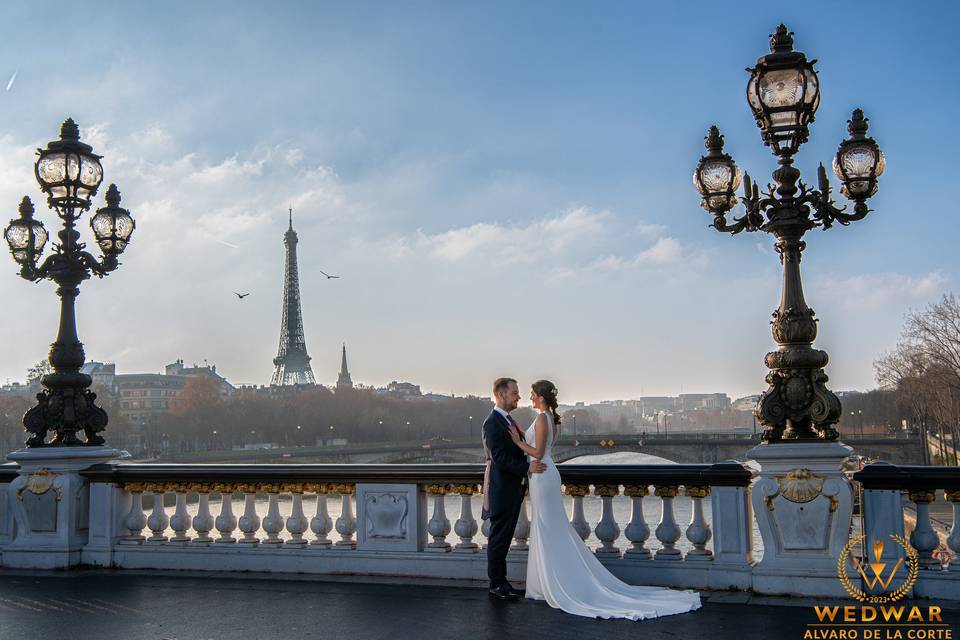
(517,592)
(503,592)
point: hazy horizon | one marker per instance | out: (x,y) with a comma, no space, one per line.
(504,190)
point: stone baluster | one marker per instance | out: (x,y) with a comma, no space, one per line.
(135,520)
(158,519)
(485,530)
(203,521)
(297,522)
(637,530)
(249,521)
(180,521)
(347,522)
(699,531)
(466,525)
(607,529)
(953,540)
(923,538)
(667,532)
(522,532)
(579,521)
(273,521)
(321,524)
(439,525)
(226,522)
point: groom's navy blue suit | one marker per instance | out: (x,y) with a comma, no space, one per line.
(508,470)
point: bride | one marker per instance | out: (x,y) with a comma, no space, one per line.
(560,567)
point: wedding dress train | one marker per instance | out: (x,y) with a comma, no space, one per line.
(564,572)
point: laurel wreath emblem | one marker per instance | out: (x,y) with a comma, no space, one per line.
(913,566)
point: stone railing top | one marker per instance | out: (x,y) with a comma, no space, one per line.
(729,473)
(8,472)
(884,475)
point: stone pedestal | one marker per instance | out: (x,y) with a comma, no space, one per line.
(49,501)
(803,504)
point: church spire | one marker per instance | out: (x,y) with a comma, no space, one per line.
(343,380)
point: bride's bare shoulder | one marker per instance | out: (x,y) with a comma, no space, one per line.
(541,421)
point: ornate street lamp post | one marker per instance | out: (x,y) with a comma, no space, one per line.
(784,93)
(69,173)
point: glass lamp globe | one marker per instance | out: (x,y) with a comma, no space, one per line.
(25,235)
(68,171)
(784,94)
(717,177)
(859,160)
(112,226)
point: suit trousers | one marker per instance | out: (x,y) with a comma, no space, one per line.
(502,526)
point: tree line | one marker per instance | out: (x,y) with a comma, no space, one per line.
(923,371)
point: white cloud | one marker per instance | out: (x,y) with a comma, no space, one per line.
(526,243)
(666,251)
(647,229)
(876,290)
(228,170)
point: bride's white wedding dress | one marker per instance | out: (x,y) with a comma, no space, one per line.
(562,570)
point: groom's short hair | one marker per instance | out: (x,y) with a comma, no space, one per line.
(500,384)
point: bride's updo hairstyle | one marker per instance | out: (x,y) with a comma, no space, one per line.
(548,391)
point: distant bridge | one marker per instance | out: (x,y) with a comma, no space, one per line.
(683,448)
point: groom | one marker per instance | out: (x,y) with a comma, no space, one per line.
(505,475)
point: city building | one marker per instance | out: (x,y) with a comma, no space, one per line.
(694,401)
(144,396)
(402,390)
(746,403)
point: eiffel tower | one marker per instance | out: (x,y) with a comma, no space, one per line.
(292,362)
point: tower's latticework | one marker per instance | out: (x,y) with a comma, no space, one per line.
(292,362)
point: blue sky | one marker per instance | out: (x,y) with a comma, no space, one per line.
(504,188)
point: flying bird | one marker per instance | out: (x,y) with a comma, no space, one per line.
(12,78)
(329,277)
(241,295)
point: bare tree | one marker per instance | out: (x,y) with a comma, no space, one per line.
(924,369)
(37,371)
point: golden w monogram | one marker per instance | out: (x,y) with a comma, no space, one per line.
(877,567)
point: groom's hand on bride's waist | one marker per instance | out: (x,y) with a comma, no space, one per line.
(537,467)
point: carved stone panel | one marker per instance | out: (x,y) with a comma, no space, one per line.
(390,517)
(41,511)
(385,514)
(803,526)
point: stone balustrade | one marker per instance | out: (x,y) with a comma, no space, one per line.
(422,520)
(886,490)
(405,519)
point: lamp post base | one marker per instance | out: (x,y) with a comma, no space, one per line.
(803,503)
(49,501)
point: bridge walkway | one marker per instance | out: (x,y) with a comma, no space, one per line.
(152,606)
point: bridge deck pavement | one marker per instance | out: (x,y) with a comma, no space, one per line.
(161,606)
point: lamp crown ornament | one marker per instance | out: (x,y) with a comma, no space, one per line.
(70,173)
(26,208)
(857,125)
(113,196)
(713,141)
(781,41)
(784,93)
(69,130)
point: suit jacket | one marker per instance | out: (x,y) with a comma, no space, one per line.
(507,466)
